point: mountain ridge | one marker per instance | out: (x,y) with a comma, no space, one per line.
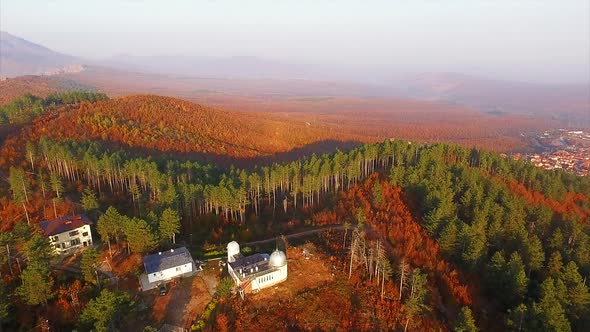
(22,57)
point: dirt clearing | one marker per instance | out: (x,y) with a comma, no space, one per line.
(304,273)
(185,301)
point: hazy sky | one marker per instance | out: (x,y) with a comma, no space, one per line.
(537,40)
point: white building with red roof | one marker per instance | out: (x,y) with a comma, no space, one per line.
(68,232)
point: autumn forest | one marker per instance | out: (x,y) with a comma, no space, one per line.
(418,236)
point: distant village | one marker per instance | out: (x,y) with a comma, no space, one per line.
(568,150)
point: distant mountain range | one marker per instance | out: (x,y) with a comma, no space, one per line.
(498,96)
(226,67)
(197,76)
(20,57)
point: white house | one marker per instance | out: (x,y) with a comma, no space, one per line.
(255,272)
(68,233)
(169,264)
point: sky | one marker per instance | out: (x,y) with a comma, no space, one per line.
(536,41)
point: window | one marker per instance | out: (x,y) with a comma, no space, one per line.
(75,242)
(74,233)
(85,234)
(54,238)
(178,269)
(57,246)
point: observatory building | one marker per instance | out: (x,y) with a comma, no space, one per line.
(255,272)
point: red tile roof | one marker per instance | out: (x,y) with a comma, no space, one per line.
(63,224)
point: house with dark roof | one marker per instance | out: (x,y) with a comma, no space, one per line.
(167,265)
(68,232)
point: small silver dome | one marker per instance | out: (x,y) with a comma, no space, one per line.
(277,259)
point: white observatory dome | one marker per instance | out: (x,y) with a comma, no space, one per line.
(277,259)
(233,248)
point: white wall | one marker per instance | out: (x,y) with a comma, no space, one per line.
(64,240)
(170,273)
(270,279)
(233,274)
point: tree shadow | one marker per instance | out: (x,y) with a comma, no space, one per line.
(225,161)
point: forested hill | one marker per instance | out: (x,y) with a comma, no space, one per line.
(40,86)
(458,237)
(28,107)
(172,125)
(481,233)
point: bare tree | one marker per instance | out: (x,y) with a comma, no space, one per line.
(403,271)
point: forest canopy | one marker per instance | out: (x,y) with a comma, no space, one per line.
(28,107)
(463,237)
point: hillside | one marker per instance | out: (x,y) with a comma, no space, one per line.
(12,88)
(282,128)
(172,125)
(40,86)
(22,57)
(455,236)
(568,104)
(344,106)
(416,120)
(336,105)
(24,109)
